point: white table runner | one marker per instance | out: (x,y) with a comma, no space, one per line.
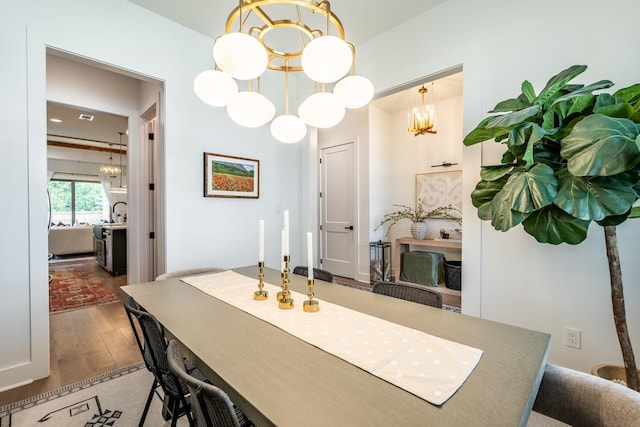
(426,366)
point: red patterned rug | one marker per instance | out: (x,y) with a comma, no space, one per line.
(75,286)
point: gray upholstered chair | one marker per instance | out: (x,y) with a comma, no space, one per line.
(410,292)
(584,400)
(318,273)
(211,407)
(188,272)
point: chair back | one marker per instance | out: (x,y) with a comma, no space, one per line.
(188,272)
(318,273)
(211,407)
(153,347)
(586,400)
(409,292)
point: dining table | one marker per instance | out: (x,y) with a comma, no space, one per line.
(278,378)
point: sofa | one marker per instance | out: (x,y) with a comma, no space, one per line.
(65,240)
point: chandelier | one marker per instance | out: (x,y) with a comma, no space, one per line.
(422,117)
(109,168)
(287,36)
(122,189)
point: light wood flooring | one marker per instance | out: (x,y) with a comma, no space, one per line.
(85,343)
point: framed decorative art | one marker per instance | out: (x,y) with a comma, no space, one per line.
(230,176)
(437,189)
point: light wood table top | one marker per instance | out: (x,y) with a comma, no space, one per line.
(277,379)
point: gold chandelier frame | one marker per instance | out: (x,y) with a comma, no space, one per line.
(269,24)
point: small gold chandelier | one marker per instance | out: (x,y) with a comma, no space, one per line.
(422,117)
(109,168)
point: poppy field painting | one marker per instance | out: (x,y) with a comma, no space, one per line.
(229,176)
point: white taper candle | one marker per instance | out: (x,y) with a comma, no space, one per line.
(309,256)
(282,251)
(261,240)
(286,232)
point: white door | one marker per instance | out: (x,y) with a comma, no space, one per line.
(337,205)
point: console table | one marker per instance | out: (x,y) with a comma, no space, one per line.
(402,246)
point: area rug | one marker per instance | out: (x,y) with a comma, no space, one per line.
(367,287)
(74,286)
(113,399)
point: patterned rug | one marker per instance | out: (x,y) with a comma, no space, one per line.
(113,399)
(75,286)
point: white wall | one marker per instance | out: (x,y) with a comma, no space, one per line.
(509,277)
(199,231)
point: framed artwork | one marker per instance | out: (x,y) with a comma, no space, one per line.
(229,176)
(437,189)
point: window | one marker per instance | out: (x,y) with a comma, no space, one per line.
(76,202)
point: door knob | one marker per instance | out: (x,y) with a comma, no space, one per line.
(350,227)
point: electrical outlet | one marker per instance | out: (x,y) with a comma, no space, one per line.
(572,337)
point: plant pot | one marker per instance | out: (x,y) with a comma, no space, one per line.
(611,373)
(419,230)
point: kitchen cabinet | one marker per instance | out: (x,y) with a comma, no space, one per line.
(110,248)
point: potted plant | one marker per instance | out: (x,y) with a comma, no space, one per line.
(417,216)
(571,158)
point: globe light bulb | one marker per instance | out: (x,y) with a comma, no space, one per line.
(215,87)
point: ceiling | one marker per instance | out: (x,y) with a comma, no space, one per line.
(103,129)
(362,19)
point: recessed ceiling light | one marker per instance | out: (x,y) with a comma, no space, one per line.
(85,116)
(55,120)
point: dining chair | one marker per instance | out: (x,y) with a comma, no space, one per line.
(153,347)
(211,407)
(585,400)
(409,292)
(188,272)
(318,273)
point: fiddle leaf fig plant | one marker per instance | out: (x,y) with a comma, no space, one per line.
(572,157)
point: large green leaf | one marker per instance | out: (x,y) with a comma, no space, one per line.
(557,82)
(513,118)
(527,191)
(528,91)
(614,220)
(613,107)
(577,105)
(508,105)
(483,194)
(585,90)
(601,146)
(494,173)
(553,225)
(522,139)
(629,94)
(635,212)
(594,198)
(481,133)
(502,217)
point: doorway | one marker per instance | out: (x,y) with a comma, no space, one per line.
(72,81)
(337,209)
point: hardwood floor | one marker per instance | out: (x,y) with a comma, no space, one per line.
(85,343)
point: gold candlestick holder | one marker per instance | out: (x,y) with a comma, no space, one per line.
(311,305)
(285,301)
(260,294)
